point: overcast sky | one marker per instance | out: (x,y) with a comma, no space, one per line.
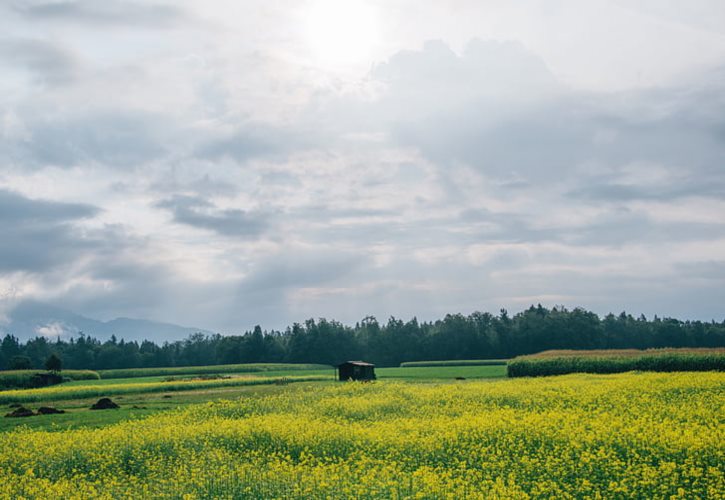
(226,164)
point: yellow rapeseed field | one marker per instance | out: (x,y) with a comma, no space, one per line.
(634,435)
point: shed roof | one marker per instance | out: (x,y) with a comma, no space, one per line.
(356,363)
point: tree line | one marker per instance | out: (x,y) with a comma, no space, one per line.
(480,335)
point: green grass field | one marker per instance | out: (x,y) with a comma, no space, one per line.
(442,372)
(134,406)
(70,392)
(456,362)
(213,369)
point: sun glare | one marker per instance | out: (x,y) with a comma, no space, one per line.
(341,33)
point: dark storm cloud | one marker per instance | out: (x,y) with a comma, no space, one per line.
(47,62)
(199,213)
(38,234)
(111,138)
(106,13)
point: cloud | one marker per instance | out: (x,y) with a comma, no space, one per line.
(256,140)
(498,108)
(199,213)
(38,234)
(106,13)
(52,330)
(48,63)
(112,138)
(15,207)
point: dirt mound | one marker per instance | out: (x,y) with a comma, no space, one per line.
(104,404)
(21,411)
(49,410)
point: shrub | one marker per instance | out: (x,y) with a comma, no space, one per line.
(53,363)
(26,379)
(20,363)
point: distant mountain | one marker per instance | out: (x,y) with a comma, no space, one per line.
(32,319)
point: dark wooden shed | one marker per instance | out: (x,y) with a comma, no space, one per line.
(356,370)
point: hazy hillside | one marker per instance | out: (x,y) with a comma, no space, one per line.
(30,319)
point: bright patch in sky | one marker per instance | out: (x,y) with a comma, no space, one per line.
(341,32)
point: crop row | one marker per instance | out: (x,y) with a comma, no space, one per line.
(532,366)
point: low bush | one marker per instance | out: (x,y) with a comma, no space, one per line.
(26,379)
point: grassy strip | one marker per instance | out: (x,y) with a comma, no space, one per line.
(23,378)
(529,366)
(435,373)
(58,393)
(205,370)
(455,362)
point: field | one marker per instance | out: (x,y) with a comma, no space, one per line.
(629,435)
(69,391)
(617,361)
(415,433)
(215,369)
(457,362)
(442,372)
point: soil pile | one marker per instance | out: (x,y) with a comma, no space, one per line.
(49,410)
(20,411)
(104,404)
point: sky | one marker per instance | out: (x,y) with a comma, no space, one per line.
(223,164)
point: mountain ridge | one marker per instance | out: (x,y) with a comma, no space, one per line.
(30,319)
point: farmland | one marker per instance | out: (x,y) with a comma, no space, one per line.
(69,392)
(457,362)
(213,369)
(617,361)
(649,435)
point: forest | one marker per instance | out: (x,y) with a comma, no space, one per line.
(480,335)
